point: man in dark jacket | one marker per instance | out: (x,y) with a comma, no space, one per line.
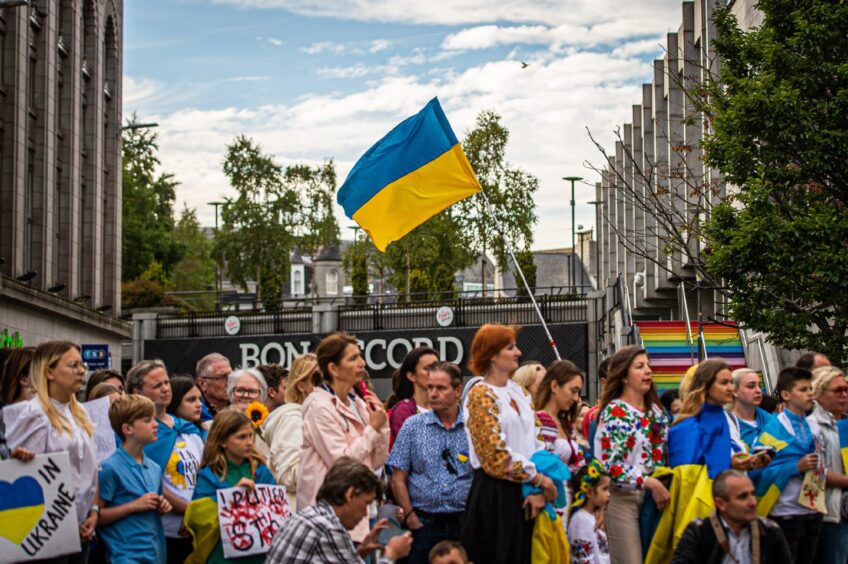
(734,533)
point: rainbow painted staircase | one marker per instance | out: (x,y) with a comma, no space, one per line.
(671,354)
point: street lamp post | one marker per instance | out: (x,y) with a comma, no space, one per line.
(134,126)
(572,276)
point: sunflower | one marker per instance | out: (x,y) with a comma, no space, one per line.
(257,412)
(593,471)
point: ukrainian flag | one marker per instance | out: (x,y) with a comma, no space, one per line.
(842,425)
(699,448)
(417,170)
(771,480)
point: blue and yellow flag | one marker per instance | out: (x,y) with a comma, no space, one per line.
(417,170)
(771,480)
(691,498)
(842,426)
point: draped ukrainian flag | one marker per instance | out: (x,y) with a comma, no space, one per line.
(750,433)
(699,448)
(417,170)
(842,426)
(770,481)
(201,516)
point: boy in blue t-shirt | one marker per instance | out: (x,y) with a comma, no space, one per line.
(131,488)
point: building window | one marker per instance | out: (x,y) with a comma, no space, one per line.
(332,279)
(297,282)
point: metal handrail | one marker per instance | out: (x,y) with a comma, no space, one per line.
(684,307)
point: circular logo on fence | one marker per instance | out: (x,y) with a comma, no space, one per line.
(444,316)
(232,325)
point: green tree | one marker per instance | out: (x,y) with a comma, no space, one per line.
(355,264)
(510,190)
(196,270)
(780,133)
(315,226)
(258,224)
(147,205)
(428,256)
(528,267)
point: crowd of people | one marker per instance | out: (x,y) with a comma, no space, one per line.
(509,467)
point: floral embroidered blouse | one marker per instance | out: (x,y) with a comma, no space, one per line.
(567,450)
(588,542)
(631,444)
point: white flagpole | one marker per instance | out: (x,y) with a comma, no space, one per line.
(520,272)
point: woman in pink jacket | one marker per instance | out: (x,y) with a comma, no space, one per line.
(337,422)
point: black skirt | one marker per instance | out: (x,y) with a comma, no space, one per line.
(494,530)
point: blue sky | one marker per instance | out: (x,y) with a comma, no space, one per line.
(318,79)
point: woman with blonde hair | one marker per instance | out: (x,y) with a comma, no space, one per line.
(529,375)
(284,427)
(830,390)
(704,433)
(54,421)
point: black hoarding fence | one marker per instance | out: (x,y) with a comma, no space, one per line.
(467,312)
(180,325)
(383,351)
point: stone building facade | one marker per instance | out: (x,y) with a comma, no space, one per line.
(659,151)
(60,167)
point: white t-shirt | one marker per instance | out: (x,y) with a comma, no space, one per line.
(179,477)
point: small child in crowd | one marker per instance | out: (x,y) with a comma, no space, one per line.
(131,487)
(448,552)
(230,459)
(589,541)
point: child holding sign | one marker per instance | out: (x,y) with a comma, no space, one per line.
(230,459)
(131,487)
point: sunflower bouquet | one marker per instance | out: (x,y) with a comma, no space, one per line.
(257,413)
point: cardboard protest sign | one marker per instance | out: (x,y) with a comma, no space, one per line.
(38,518)
(248,520)
(104,436)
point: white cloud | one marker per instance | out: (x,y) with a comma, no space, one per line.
(251,78)
(356,71)
(139,90)
(654,47)
(546,107)
(275,42)
(324,47)
(379,45)
(460,12)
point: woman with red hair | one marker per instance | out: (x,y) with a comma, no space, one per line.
(503,434)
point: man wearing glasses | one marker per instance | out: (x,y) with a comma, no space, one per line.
(211,376)
(431,475)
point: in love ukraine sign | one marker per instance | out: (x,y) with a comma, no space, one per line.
(37,514)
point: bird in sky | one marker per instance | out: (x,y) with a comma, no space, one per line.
(524,65)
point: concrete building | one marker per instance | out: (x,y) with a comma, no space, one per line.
(656,181)
(60,170)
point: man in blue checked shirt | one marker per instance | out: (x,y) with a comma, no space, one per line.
(431,474)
